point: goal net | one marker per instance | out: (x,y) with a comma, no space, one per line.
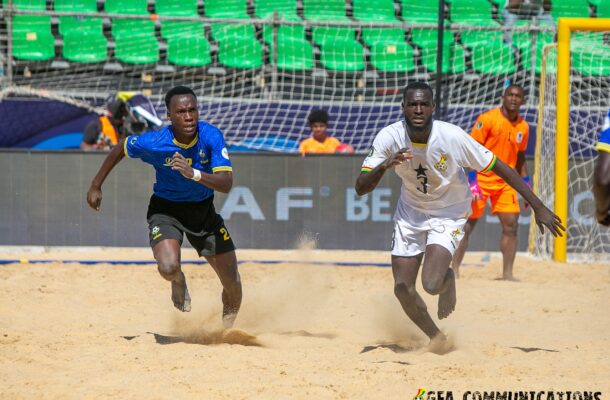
(589,97)
(258,80)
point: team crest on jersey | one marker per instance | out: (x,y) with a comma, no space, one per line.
(455,233)
(225,153)
(479,125)
(441,165)
(168,161)
(371,151)
(519,137)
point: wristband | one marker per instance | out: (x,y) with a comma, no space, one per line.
(196,175)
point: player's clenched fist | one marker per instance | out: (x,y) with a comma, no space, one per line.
(94,198)
(180,164)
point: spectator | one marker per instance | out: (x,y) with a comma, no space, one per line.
(320,142)
(106,131)
(526,10)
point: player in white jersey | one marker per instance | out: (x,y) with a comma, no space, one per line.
(429,157)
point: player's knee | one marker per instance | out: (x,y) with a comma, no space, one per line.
(510,229)
(404,291)
(168,268)
(432,286)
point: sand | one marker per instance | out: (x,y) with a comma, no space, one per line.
(305,331)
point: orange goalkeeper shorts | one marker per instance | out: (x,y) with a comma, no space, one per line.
(503,200)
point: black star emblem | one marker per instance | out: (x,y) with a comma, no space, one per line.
(421,171)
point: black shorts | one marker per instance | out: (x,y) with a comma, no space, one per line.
(204,228)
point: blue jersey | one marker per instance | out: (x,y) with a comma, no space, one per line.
(604,138)
(207,153)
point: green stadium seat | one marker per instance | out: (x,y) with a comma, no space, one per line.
(86,47)
(392,57)
(594,62)
(324,34)
(131,7)
(284,32)
(374,10)
(80,24)
(370,36)
(524,44)
(193,51)
(471,38)
(324,10)
(172,29)
(454,60)
(569,8)
(420,12)
(173,8)
(286,9)
(587,40)
(222,32)
(83,6)
(130,27)
(344,56)
(33,46)
(425,38)
(294,54)
(472,12)
(29,5)
(236,9)
(32,23)
(493,59)
(137,49)
(240,53)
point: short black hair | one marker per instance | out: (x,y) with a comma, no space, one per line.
(318,116)
(176,91)
(514,85)
(417,85)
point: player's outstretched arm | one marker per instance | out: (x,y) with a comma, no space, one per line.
(367,181)
(601,188)
(220,181)
(544,216)
(94,194)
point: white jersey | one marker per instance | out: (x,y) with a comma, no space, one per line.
(433,181)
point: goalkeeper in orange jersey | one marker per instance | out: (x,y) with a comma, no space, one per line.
(504,132)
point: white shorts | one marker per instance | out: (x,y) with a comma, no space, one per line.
(414,230)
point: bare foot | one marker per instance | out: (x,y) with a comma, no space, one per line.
(180,294)
(439,344)
(507,278)
(447,299)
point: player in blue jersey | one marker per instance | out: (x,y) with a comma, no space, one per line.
(191,162)
(601,176)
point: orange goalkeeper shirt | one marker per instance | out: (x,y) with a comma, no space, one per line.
(311,145)
(504,138)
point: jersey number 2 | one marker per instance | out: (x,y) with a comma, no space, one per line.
(225,234)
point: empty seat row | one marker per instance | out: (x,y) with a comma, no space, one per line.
(472,12)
